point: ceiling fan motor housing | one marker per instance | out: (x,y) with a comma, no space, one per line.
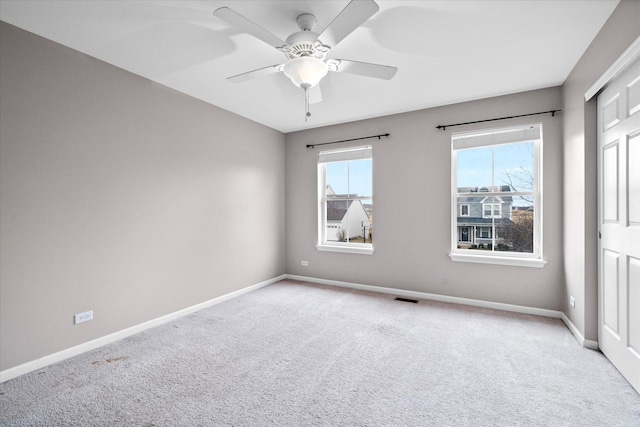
(305,42)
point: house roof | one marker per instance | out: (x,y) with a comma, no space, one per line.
(481,198)
(463,220)
(344,196)
(470,199)
(484,189)
(337,209)
(505,199)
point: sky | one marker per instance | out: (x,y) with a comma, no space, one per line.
(353,177)
(512,163)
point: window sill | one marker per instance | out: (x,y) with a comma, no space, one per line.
(484,259)
(346,249)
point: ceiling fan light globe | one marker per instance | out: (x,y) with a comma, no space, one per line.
(305,71)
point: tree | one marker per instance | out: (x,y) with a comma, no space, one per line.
(520,231)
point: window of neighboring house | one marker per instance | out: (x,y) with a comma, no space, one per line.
(500,170)
(464,210)
(491,210)
(483,232)
(345,200)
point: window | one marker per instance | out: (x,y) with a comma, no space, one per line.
(345,200)
(484,232)
(491,210)
(497,175)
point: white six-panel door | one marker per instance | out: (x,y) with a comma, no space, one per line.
(619,223)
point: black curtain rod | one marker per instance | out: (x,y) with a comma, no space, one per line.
(348,140)
(552,112)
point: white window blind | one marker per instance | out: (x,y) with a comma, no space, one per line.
(345,154)
(463,141)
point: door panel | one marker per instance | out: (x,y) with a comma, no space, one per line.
(633,180)
(633,96)
(610,110)
(610,294)
(634,295)
(619,223)
(610,177)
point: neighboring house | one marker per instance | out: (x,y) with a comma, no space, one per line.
(477,214)
(347,215)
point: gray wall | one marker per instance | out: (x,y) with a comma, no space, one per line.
(580,150)
(412,199)
(122,197)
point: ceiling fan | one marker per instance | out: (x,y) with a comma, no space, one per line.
(306,50)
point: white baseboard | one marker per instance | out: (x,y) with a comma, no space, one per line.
(458,300)
(107,339)
(434,297)
(593,345)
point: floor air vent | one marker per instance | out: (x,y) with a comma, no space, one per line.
(415,301)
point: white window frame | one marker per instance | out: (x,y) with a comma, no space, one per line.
(493,137)
(464,205)
(325,157)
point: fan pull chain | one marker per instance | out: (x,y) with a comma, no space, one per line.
(306,104)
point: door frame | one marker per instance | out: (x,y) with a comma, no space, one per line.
(621,64)
(630,57)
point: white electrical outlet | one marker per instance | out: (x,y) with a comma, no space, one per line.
(83,317)
(304,263)
(572,302)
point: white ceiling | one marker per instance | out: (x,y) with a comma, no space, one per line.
(445,51)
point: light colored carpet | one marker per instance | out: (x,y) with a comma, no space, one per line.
(295,354)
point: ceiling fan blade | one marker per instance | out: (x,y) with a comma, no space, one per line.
(239,78)
(315,95)
(364,69)
(350,18)
(239,21)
